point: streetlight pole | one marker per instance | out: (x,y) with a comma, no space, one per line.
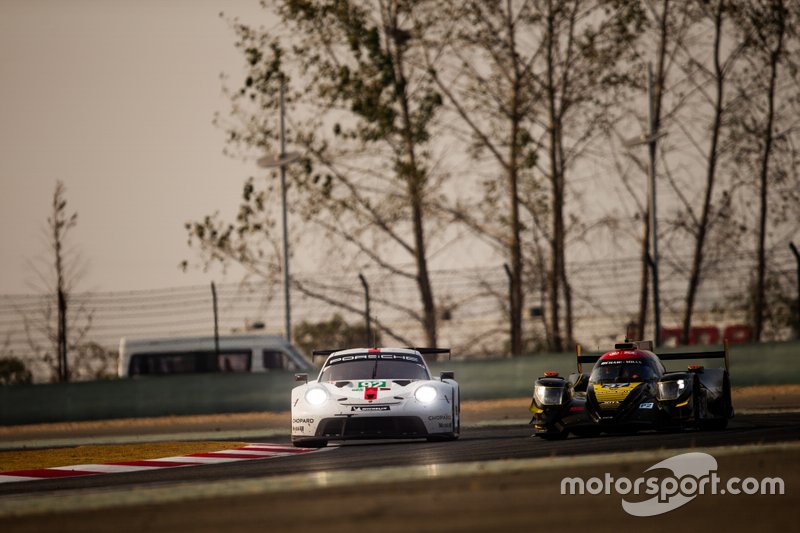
(282,160)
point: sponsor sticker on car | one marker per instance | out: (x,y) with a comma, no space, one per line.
(377,384)
(370,408)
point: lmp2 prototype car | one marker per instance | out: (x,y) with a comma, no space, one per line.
(371,393)
(629,389)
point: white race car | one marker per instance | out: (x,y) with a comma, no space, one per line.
(375,393)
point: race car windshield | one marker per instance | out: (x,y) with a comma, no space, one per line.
(374,369)
(616,371)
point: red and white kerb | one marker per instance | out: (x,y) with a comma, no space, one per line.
(251,451)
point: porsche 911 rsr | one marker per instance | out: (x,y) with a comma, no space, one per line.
(629,389)
(375,393)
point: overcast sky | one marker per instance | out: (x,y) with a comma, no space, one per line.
(116,99)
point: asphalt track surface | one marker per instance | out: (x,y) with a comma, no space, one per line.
(476,444)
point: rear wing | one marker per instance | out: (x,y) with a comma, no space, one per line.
(432,351)
(423,351)
(706,354)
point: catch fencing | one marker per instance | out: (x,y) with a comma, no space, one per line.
(471,303)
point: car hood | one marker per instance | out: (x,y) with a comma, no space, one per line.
(370,390)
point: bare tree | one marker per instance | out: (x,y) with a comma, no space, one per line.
(530,84)
(584,46)
(352,70)
(686,84)
(667,27)
(764,119)
(60,272)
(702,225)
(60,222)
(482,66)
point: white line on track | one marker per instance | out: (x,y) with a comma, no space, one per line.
(104,469)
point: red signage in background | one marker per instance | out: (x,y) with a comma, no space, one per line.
(705,335)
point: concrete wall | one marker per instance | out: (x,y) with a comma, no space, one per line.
(143,397)
(222,393)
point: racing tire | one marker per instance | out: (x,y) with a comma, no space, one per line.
(443,437)
(586,433)
(715,424)
(718,424)
(561,435)
(316,443)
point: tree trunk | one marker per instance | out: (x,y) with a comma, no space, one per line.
(516,302)
(702,230)
(556,239)
(763,185)
(58,227)
(415,179)
(63,368)
(423,279)
(658,93)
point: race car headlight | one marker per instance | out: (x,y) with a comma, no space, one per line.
(549,395)
(316,396)
(670,390)
(425,394)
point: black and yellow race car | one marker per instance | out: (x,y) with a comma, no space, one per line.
(629,389)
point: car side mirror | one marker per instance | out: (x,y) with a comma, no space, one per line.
(448,374)
(301,377)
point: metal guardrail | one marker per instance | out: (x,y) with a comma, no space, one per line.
(761,364)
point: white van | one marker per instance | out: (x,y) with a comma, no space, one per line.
(187,355)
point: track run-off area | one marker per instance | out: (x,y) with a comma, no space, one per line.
(497,476)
